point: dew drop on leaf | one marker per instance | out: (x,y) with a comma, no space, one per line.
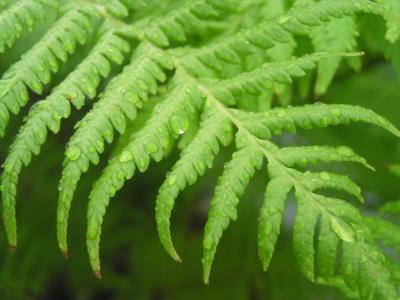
(179,124)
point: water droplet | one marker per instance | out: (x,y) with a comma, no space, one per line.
(73,153)
(179,124)
(125,157)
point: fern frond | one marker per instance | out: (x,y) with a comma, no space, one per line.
(36,66)
(318,180)
(305,226)
(169,120)
(279,52)
(110,112)
(215,129)
(271,214)
(187,19)
(21,16)
(276,31)
(308,116)
(337,36)
(193,66)
(264,77)
(186,173)
(303,155)
(328,243)
(47,114)
(122,98)
(339,222)
(232,183)
(256,127)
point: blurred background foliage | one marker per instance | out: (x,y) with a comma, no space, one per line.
(134,264)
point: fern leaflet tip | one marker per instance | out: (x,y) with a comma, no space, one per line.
(97,274)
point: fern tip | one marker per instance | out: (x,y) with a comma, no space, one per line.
(173,253)
(65,253)
(13,248)
(176,257)
(206,274)
(97,273)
